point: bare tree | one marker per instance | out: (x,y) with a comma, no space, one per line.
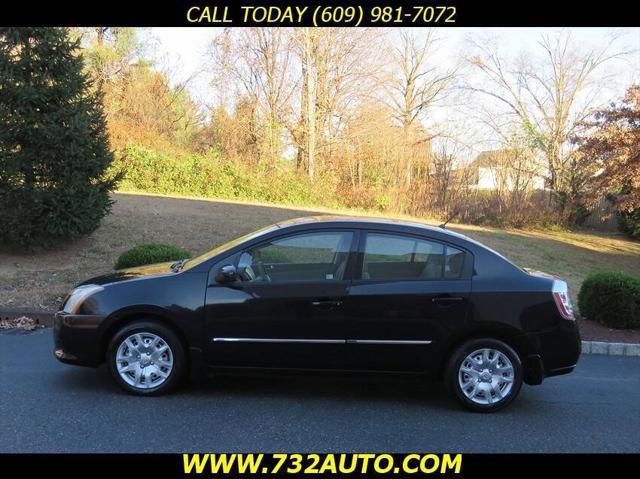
(415,84)
(309,97)
(549,97)
(258,61)
(446,174)
(338,69)
(110,51)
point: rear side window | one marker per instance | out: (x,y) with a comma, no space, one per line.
(453,263)
(397,257)
(394,257)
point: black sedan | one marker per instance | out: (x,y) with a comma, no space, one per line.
(329,293)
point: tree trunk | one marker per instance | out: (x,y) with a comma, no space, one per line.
(310,103)
(301,157)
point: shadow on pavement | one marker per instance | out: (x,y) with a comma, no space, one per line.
(408,391)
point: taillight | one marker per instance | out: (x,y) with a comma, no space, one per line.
(563,301)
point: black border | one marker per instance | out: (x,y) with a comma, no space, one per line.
(509,466)
(470,13)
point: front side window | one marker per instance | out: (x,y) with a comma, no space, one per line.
(320,256)
(394,257)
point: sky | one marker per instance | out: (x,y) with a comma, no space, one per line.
(183,52)
(186,48)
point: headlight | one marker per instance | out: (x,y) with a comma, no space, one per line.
(78,295)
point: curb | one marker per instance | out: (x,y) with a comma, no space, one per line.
(612,349)
(45,318)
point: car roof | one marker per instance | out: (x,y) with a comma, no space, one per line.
(398,226)
(367,222)
(393,225)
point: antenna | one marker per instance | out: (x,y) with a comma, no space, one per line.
(453,215)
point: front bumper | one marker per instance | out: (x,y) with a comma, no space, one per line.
(76,339)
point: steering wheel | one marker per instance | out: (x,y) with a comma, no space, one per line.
(250,268)
(261,273)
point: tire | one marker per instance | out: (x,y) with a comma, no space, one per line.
(484,374)
(158,361)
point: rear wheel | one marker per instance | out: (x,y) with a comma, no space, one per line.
(146,358)
(484,374)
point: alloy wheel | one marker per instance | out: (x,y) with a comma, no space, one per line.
(486,376)
(144,360)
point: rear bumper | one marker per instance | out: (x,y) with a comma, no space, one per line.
(560,348)
(553,352)
(76,339)
(560,371)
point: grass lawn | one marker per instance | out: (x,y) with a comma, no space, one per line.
(39,280)
(571,255)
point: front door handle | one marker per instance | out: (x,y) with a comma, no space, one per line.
(326,304)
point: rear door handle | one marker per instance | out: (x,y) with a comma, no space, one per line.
(326,304)
(446,299)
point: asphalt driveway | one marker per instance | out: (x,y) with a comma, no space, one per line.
(51,407)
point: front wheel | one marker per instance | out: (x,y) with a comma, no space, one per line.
(484,374)
(146,358)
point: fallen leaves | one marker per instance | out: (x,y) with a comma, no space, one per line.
(23,322)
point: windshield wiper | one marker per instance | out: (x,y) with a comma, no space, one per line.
(178,265)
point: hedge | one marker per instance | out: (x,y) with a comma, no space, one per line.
(208,176)
(612,299)
(150,253)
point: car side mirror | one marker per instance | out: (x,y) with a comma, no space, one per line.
(227,274)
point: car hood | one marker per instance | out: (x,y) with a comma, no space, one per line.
(129,274)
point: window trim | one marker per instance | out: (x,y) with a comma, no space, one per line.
(351,256)
(467,266)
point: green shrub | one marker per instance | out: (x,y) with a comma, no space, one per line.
(630,223)
(150,253)
(611,298)
(209,176)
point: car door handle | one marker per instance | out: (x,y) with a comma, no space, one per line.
(446,299)
(326,304)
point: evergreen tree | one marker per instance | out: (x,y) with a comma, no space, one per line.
(54,150)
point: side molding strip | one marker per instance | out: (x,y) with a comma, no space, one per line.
(390,341)
(277,340)
(320,341)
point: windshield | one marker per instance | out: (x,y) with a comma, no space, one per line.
(227,246)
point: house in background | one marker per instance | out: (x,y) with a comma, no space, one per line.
(505,170)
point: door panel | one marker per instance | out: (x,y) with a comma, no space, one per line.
(409,293)
(397,325)
(285,325)
(287,312)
